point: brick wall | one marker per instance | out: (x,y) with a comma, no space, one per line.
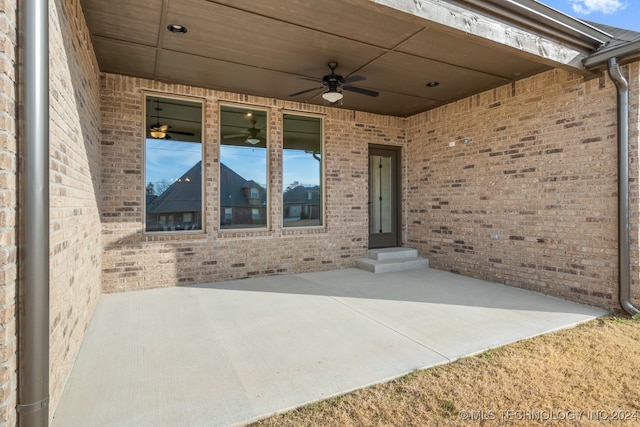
(75,236)
(75,198)
(133,260)
(531,200)
(8,206)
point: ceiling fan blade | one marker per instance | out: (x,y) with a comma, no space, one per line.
(352,79)
(235,135)
(306,91)
(361,91)
(182,133)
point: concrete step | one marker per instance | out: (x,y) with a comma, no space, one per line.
(392,253)
(390,260)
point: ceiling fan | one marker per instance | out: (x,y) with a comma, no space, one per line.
(161,131)
(335,84)
(251,135)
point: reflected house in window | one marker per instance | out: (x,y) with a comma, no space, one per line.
(179,207)
(243,202)
(302,203)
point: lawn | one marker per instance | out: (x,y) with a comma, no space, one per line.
(583,376)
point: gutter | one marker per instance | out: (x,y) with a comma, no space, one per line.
(624,51)
(624,262)
(33,217)
(544,19)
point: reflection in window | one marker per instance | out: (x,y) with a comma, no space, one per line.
(302,171)
(243,168)
(173,164)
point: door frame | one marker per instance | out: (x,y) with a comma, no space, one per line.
(396,240)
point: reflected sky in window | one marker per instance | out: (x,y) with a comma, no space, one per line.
(168,160)
(300,167)
(248,162)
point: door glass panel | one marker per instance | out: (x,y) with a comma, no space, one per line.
(381,195)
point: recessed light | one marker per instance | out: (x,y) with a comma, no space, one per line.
(177,28)
(433,84)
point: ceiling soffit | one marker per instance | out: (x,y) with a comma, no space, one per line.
(275,48)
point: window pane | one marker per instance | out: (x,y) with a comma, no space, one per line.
(243,168)
(173,165)
(302,171)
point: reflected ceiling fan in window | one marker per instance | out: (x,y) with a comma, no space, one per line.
(161,131)
(335,84)
(250,136)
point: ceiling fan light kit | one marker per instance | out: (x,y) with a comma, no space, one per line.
(158,134)
(332,96)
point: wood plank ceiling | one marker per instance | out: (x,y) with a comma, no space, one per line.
(272,48)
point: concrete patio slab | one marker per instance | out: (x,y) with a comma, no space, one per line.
(232,352)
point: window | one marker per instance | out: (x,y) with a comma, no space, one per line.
(173,164)
(302,171)
(243,167)
(228,214)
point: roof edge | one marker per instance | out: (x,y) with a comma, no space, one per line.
(545,19)
(600,59)
(528,26)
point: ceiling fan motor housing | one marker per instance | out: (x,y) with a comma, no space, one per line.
(332,81)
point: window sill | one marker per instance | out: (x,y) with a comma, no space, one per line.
(235,233)
(156,236)
(293,231)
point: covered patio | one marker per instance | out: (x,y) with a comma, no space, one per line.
(510,132)
(231,352)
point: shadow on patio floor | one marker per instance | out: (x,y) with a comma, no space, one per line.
(232,352)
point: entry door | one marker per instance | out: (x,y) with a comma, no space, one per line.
(384,191)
